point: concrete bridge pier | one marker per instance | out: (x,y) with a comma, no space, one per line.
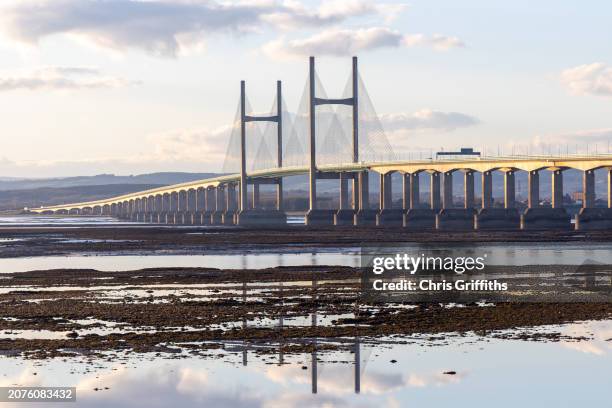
(210,199)
(138,210)
(231,205)
(590,218)
(258,216)
(415,191)
(126,210)
(468,189)
(153,209)
(157,209)
(487,189)
(434,191)
(199,203)
(119,210)
(165,215)
(424,218)
(538,218)
(450,218)
(216,217)
(182,208)
(346,211)
(175,216)
(169,201)
(610,188)
(406,195)
(160,217)
(172,208)
(165,208)
(533,184)
(256,197)
(406,186)
(388,216)
(509,189)
(315,215)
(148,209)
(189,207)
(196,205)
(133,210)
(507,218)
(364,215)
(144,210)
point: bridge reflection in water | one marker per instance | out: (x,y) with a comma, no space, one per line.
(349,345)
(342,139)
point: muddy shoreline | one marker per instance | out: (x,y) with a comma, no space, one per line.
(48,241)
(168,309)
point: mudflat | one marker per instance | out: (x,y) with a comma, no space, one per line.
(46,241)
(167,310)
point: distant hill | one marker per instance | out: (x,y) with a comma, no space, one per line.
(31,198)
(101,180)
(19,193)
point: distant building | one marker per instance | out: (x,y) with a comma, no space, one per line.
(464,151)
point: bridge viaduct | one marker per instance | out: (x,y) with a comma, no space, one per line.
(224,200)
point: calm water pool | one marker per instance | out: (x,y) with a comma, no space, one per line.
(500,373)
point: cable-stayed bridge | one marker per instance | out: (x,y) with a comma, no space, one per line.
(343,139)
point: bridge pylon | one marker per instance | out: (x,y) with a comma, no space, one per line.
(315,215)
(258,216)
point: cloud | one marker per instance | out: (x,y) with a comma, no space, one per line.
(427,119)
(61,78)
(168,27)
(579,137)
(176,386)
(597,332)
(336,382)
(294,15)
(336,42)
(588,79)
(412,132)
(201,149)
(192,144)
(437,41)
(305,399)
(190,150)
(343,42)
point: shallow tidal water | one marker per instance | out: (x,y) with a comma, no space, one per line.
(516,254)
(488,372)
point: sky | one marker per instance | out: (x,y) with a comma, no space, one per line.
(128,87)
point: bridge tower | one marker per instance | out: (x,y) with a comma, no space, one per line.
(315,215)
(258,216)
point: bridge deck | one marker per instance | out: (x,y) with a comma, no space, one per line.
(525,163)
